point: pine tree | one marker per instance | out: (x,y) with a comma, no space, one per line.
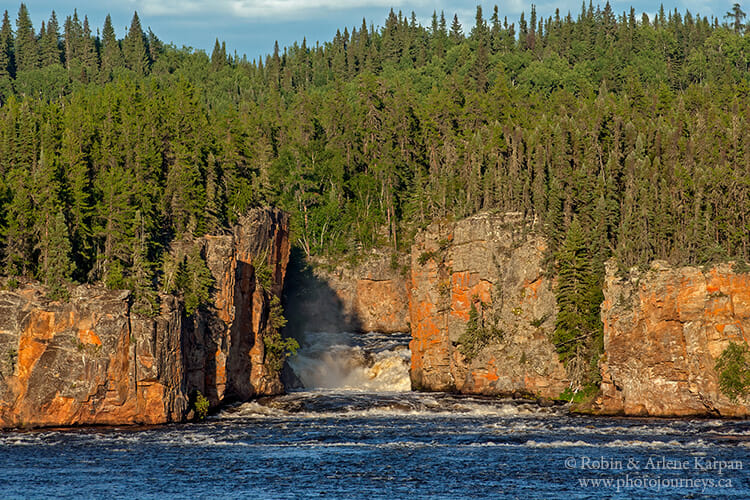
(736,15)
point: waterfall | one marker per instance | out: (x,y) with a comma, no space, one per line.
(350,361)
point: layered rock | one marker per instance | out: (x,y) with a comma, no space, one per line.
(93,360)
(495,262)
(663,332)
(369,295)
(226,353)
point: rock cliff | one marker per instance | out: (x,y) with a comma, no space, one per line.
(495,263)
(369,295)
(93,360)
(663,331)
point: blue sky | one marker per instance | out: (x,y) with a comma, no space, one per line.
(251,26)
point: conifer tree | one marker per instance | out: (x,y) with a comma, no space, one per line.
(155,46)
(57,267)
(26,52)
(134,47)
(7,66)
(578,327)
(736,15)
(72,40)
(19,220)
(218,56)
(110,51)
(50,42)
(89,57)
(456,34)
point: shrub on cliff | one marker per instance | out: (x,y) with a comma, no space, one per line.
(277,348)
(201,406)
(477,334)
(733,367)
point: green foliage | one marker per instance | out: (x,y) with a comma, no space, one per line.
(637,131)
(477,334)
(426,256)
(57,267)
(587,393)
(276,314)
(578,328)
(277,348)
(733,368)
(201,406)
(539,321)
(115,278)
(263,272)
(193,280)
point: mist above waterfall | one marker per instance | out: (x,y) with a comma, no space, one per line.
(351,361)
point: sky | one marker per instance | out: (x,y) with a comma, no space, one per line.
(251,27)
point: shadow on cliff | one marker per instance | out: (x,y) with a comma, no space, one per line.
(310,306)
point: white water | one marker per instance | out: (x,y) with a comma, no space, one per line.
(349,361)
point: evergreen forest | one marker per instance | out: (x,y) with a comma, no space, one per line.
(620,135)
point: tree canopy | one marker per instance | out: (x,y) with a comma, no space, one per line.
(635,128)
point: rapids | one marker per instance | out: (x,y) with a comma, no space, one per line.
(366,362)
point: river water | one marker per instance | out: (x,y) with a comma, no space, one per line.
(379,441)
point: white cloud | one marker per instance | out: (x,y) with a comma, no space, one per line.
(248,9)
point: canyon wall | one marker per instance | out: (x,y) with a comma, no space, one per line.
(495,263)
(370,294)
(94,360)
(664,329)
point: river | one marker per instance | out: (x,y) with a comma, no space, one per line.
(368,438)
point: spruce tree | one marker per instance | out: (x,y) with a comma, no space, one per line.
(456,35)
(578,327)
(7,66)
(50,43)
(110,50)
(134,47)
(19,228)
(89,57)
(27,55)
(72,40)
(57,269)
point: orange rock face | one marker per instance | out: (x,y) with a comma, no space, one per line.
(493,262)
(663,331)
(234,366)
(88,361)
(92,360)
(367,296)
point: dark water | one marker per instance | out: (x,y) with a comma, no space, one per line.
(353,445)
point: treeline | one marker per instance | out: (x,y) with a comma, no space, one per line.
(634,128)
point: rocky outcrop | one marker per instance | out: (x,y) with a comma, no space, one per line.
(94,360)
(495,263)
(663,331)
(368,295)
(226,358)
(88,361)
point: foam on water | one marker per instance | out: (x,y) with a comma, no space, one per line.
(348,361)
